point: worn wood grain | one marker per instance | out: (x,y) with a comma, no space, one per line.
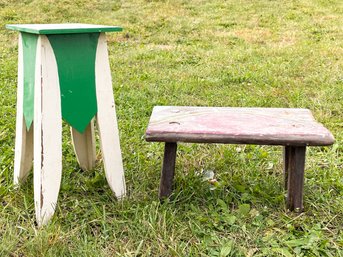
(269,126)
(296,162)
(47,133)
(168,170)
(107,122)
(286,154)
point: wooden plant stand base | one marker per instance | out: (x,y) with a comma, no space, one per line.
(292,128)
(64,72)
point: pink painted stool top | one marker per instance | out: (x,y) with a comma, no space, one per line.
(269,126)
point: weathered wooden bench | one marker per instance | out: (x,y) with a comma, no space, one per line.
(292,128)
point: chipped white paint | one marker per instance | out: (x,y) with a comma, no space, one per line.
(107,121)
(46,130)
(84,146)
(24,139)
(47,133)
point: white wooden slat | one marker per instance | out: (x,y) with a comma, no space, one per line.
(107,121)
(84,146)
(24,139)
(47,133)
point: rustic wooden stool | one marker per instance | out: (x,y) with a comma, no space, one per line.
(292,128)
(64,71)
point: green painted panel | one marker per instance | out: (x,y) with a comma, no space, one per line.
(65,28)
(75,56)
(29,42)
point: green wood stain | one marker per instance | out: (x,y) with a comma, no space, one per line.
(75,56)
(29,42)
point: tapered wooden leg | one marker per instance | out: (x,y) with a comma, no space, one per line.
(107,122)
(23,152)
(295,185)
(24,138)
(84,146)
(47,133)
(168,170)
(286,159)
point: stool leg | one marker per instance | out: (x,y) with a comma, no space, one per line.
(107,122)
(23,152)
(84,146)
(47,133)
(286,152)
(296,162)
(168,170)
(24,138)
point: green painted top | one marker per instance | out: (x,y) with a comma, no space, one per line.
(66,28)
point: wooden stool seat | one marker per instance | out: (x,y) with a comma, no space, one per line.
(292,128)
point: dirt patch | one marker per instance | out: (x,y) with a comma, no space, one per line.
(255,35)
(162,47)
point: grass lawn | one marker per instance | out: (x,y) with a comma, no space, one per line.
(244,53)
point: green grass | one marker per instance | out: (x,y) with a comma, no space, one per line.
(194,52)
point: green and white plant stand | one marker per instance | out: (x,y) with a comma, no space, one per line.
(64,71)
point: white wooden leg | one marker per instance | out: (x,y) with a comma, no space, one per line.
(23,151)
(47,133)
(84,146)
(107,121)
(24,139)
